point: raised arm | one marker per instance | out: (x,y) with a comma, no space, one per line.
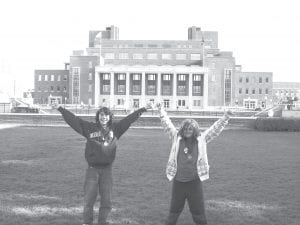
(216,129)
(166,122)
(73,121)
(123,125)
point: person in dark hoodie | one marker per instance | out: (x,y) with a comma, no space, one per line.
(100,153)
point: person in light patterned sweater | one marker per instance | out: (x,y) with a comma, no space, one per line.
(188,164)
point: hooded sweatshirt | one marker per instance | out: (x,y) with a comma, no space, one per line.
(99,153)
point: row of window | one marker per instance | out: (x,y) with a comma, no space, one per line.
(147,46)
(52,77)
(52,88)
(153,56)
(260,91)
(260,80)
(150,76)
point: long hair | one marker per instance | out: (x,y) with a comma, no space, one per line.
(186,124)
(106,111)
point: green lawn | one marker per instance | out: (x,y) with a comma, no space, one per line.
(254,178)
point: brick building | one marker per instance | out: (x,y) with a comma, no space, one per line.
(283,91)
(51,86)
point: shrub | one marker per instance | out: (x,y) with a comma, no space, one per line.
(277,124)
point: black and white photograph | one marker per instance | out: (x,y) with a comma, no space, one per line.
(149,112)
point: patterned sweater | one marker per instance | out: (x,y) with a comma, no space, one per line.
(205,137)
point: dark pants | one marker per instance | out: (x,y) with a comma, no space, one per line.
(97,180)
(192,192)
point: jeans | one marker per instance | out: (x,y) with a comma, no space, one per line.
(97,180)
(192,192)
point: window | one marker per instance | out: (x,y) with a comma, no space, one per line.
(75,84)
(196,90)
(267,79)
(181,56)
(109,55)
(58,88)
(40,77)
(40,89)
(181,103)
(213,77)
(151,89)
(121,76)
(247,91)
(65,89)
(240,91)
(151,76)
(182,90)
(136,88)
(90,88)
(65,77)
(136,77)
(253,91)
(52,77)
(167,46)
(241,80)
(138,45)
(267,91)
(152,56)
(181,77)
(260,91)
(195,56)
(166,77)
(90,101)
(197,77)
(52,88)
(166,90)
(137,56)
(166,103)
(58,77)
(121,88)
(197,103)
(90,76)
(90,64)
(106,88)
(46,77)
(123,55)
(106,76)
(166,56)
(152,46)
(247,80)
(120,101)
(260,80)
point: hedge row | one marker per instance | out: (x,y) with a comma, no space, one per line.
(277,124)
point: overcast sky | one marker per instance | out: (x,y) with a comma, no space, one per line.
(41,34)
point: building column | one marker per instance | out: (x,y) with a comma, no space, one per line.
(174,105)
(97,89)
(143,94)
(159,86)
(205,90)
(127,103)
(190,91)
(112,91)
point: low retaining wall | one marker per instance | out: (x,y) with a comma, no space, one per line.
(144,121)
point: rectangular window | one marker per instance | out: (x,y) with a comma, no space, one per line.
(121,88)
(151,76)
(247,80)
(227,86)
(65,77)
(106,76)
(136,89)
(267,79)
(166,103)
(121,101)
(166,56)
(65,89)
(166,90)
(58,88)
(90,64)
(166,77)
(241,80)
(247,91)
(90,88)
(240,91)
(195,56)
(109,55)
(52,77)
(182,77)
(181,103)
(123,55)
(137,56)
(151,89)
(260,80)
(260,91)
(181,56)
(58,77)
(136,77)
(152,56)
(197,77)
(90,76)
(213,77)
(40,77)
(267,91)
(181,90)
(106,88)
(196,90)
(52,88)
(76,85)
(46,77)
(121,76)
(253,91)
(197,103)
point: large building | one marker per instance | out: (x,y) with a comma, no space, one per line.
(187,74)
(284,91)
(51,86)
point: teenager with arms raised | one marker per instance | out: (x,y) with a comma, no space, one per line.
(188,165)
(100,152)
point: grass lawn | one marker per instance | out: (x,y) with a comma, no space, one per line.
(254,178)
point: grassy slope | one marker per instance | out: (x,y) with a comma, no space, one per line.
(254,178)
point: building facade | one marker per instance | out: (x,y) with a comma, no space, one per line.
(283,91)
(51,86)
(253,89)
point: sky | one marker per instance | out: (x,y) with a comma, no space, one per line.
(41,34)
